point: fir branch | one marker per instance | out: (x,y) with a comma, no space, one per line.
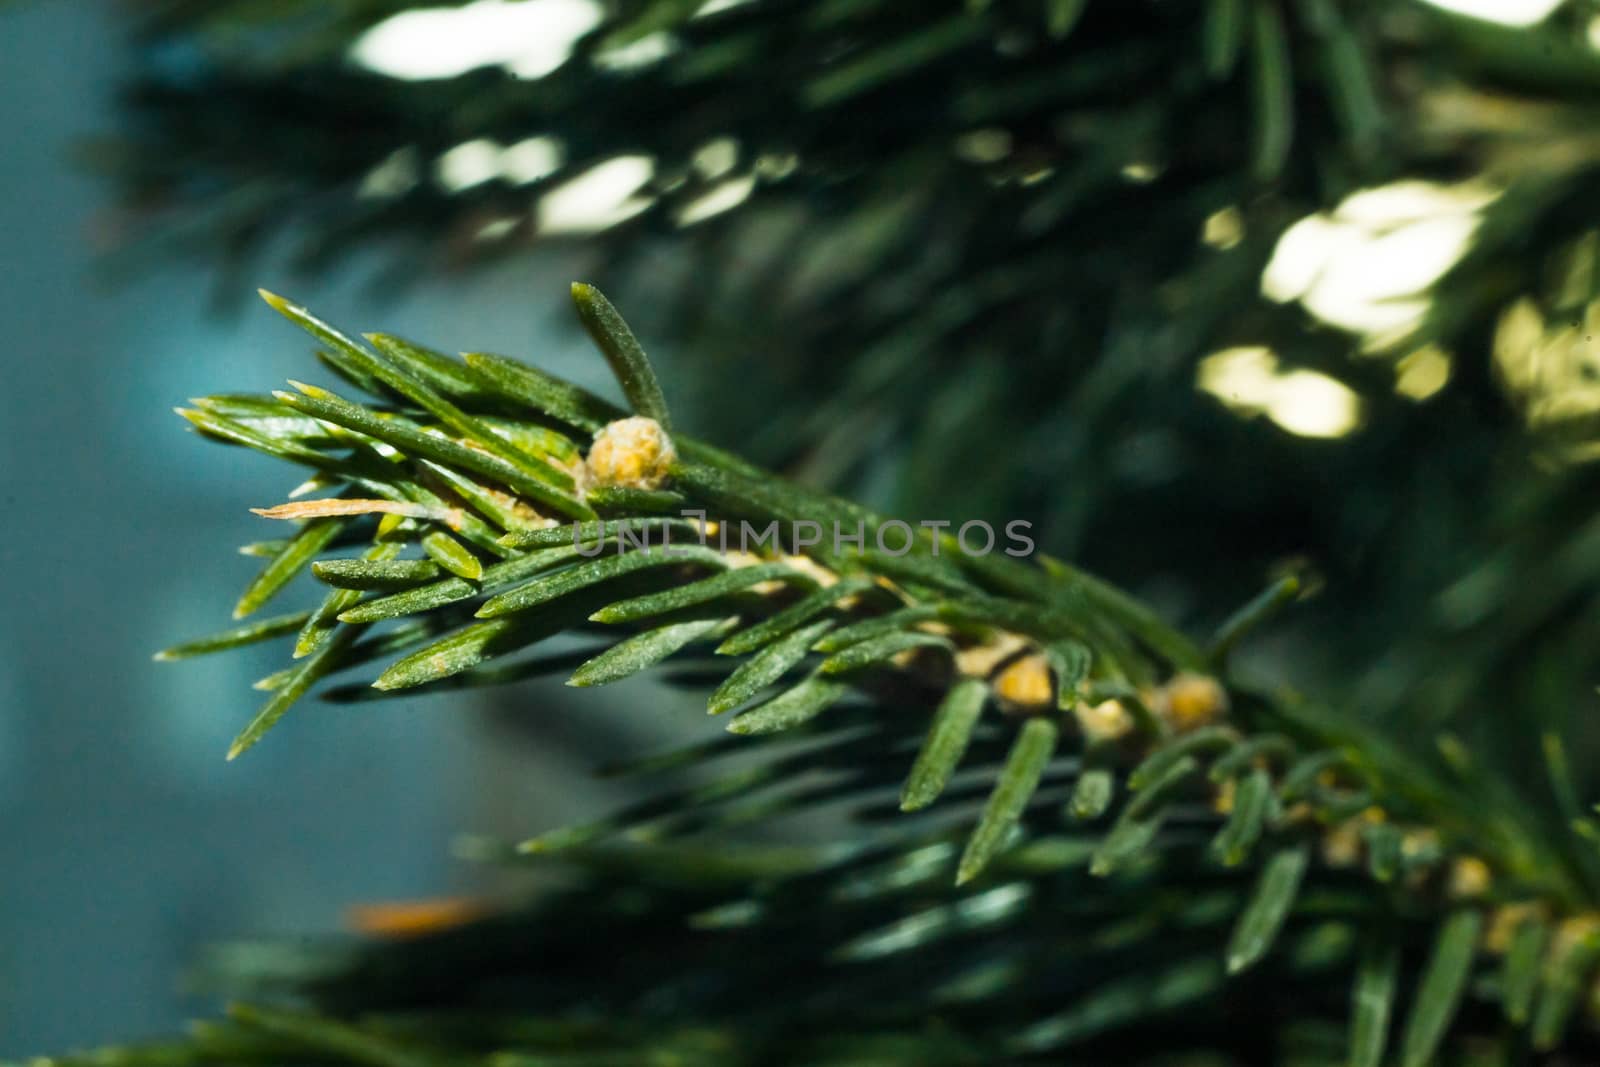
(1058,654)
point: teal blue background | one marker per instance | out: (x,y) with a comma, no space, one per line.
(126,842)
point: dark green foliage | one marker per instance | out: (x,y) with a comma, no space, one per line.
(1567,981)
(765,667)
(1372,1003)
(622,351)
(791,708)
(296,555)
(367,574)
(945,744)
(1252,802)
(1520,977)
(1443,981)
(1092,794)
(971,257)
(797,614)
(322,623)
(540,591)
(295,685)
(1025,764)
(408,437)
(449,553)
(238,636)
(1269,906)
(1202,741)
(694,593)
(642,651)
(876,618)
(879,651)
(1383,851)
(1034,178)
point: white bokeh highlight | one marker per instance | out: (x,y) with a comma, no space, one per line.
(1252,381)
(1505,12)
(598,198)
(529,38)
(1367,266)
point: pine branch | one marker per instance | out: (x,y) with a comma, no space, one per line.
(1024,662)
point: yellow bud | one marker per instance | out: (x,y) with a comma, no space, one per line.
(1190,701)
(1025,684)
(1469,877)
(633,453)
(1503,923)
(1341,845)
(1106,721)
(1572,933)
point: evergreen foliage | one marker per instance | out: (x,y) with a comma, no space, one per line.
(1015,230)
(1033,918)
